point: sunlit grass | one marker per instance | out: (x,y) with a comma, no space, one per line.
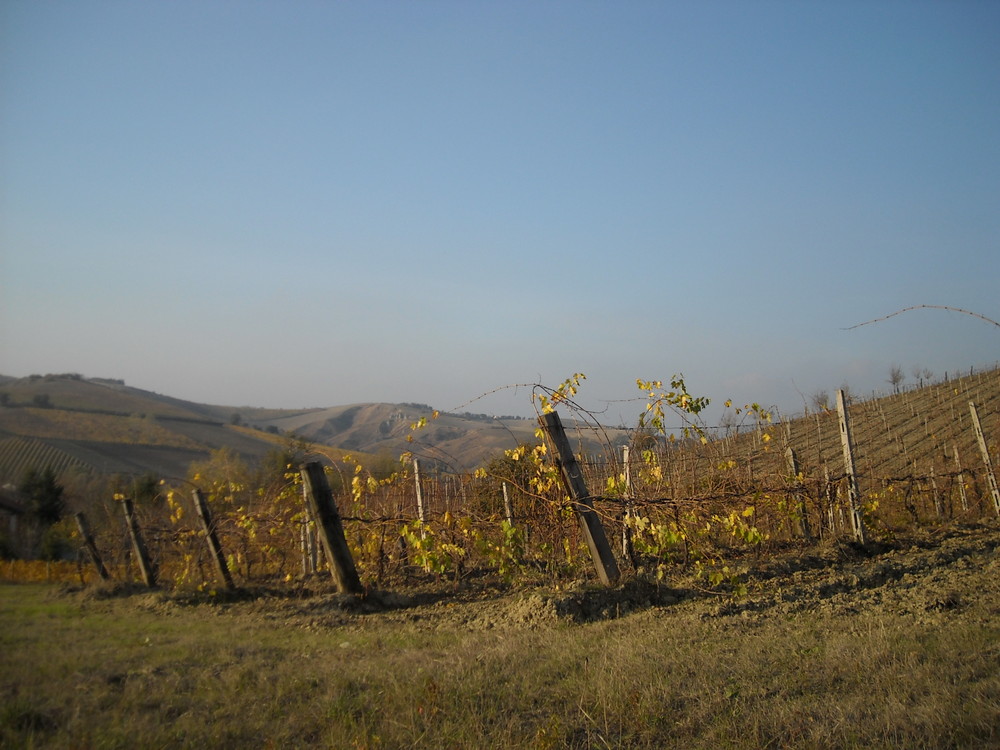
(144,671)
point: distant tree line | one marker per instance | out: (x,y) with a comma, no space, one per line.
(487,417)
(48,377)
(39,400)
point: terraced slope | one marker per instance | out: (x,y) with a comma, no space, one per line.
(105,427)
(915,433)
(18,454)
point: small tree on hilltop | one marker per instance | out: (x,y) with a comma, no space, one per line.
(821,400)
(848,394)
(922,374)
(896,377)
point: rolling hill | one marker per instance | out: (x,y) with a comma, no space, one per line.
(458,441)
(104,426)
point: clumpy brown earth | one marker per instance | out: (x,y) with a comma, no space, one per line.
(953,572)
(949,571)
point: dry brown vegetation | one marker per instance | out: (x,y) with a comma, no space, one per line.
(833,647)
(82,426)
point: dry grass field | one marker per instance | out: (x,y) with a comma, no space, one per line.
(892,647)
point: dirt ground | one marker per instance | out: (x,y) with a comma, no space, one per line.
(946,572)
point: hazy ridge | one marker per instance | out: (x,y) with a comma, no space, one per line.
(105,426)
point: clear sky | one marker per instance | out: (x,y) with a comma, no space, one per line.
(294,204)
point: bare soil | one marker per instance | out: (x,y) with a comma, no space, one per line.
(928,576)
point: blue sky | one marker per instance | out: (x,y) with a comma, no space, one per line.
(320,203)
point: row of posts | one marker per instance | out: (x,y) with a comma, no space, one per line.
(323,508)
(319,499)
(854,493)
(593,532)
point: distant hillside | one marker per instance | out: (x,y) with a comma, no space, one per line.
(102,426)
(105,426)
(459,441)
(100,395)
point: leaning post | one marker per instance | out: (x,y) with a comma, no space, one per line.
(590,523)
(88,542)
(331,530)
(212,539)
(991,478)
(146,566)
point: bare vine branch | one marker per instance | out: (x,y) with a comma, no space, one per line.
(918,307)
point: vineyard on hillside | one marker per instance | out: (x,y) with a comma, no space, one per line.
(678,503)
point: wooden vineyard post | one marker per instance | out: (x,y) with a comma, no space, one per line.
(146,567)
(88,542)
(800,502)
(853,491)
(590,524)
(331,530)
(212,539)
(628,547)
(831,501)
(991,478)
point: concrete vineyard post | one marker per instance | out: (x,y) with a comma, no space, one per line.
(936,493)
(507,509)
(991,478)
(572,476)
(331,530)
(420,502)
(212,539)
(854,492)
(420,491)
(146,567)
(88,542)
(961,482)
